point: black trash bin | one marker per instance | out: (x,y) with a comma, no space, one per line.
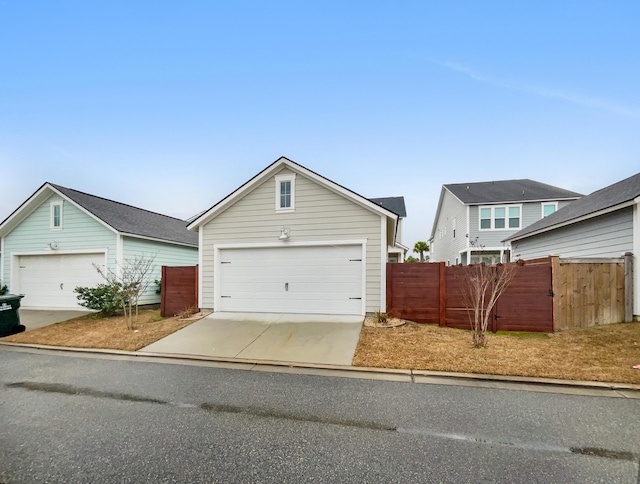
(9,318)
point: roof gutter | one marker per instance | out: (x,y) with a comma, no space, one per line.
(154,239)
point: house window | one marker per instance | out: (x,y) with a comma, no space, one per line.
(548,208)
(498,220)
(56,215)
(285,193)
(500,217)
(485,218)
(514,217)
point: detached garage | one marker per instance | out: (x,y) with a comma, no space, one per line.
(292,241)
(324,279)
(53,242)
(48,281)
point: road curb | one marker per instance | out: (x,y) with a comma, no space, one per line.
(346,368)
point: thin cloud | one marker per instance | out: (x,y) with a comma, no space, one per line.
(548,93)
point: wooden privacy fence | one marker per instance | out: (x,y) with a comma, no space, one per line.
(545,295)
(179,289)
(591,292)
(434,293)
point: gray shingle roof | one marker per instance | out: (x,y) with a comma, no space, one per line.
(616,194)
(132,220)
(395,204)
(508,191)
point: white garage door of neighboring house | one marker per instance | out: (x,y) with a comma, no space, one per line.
(48,281)
(315,280)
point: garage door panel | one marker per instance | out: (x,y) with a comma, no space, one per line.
(319,279)
(48,281)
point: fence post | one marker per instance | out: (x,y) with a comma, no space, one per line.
(163,293)
(442,302)
(389,291)
(196,288)
(628,287)
(556,311)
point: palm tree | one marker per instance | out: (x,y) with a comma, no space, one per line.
(420,248)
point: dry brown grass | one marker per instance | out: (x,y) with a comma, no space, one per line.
(604,353)
(95,331)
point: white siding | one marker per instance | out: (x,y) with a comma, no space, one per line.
(79,232)
(609,235)
(165,255)
(448,247)
(320,215)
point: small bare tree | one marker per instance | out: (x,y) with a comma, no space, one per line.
(134,278)
(482,285)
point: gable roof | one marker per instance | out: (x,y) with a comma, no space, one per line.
(503,191)
(613,197)
(121,218)
(204,217)
(395,204)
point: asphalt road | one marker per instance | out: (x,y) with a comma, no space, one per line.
(89,419)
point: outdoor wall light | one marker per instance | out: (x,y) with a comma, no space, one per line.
(53,245)
(284,234)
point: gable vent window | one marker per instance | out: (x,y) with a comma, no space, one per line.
(56,215)
(285,193)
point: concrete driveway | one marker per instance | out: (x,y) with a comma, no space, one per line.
(37,318)
(296,338)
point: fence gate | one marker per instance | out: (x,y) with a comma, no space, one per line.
(527,303)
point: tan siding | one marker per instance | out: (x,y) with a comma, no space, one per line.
(320,215)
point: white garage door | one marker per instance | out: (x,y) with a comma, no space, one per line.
(315,280)
(48,281)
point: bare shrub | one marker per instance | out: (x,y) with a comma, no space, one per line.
(482,286)
(187,312)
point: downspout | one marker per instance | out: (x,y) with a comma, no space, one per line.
(201,267)
(635,258)
(119,256)
(2,257)
(383,264)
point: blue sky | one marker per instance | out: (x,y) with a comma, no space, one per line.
(170,106)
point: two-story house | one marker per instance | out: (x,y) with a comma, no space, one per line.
(396,252)
(472,219)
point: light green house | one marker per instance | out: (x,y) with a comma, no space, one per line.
(53,242)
